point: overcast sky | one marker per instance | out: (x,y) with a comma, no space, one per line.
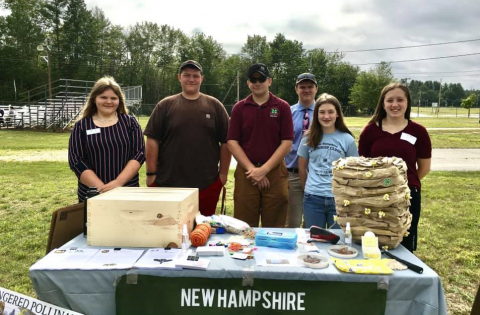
(342,25)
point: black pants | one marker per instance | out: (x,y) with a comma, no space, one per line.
(410,242)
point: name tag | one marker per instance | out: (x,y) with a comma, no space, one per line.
(409,138)
(93,131)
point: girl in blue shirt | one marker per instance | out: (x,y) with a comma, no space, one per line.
(327,140)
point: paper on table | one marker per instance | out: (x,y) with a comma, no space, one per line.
(160,258)
(192,261)
(302,241)
(302,235)
(304,247)
(200,264)
(113,259)
(60,259)
(268,256)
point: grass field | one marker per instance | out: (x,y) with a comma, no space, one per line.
(14,143)
(449,227)
(444,112)
(427,122)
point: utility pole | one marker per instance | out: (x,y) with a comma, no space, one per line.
(476,99)
(418,107)
(237,80)
(310,69)
(41,48)
(238,86)
(439,97)
(50,94)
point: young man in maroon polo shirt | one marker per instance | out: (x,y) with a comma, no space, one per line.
(259,136)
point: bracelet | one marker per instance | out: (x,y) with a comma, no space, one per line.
(151,173)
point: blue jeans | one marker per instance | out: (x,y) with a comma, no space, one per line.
(319,211)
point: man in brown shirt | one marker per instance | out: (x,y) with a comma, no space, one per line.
(186,140)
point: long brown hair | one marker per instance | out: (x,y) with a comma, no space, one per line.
(105,83)
(380,112)
(315,132)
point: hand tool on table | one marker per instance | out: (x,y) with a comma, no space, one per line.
(322,235)
(410,266)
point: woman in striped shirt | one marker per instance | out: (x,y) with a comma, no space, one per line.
(106,147)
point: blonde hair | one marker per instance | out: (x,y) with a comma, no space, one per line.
(102,85)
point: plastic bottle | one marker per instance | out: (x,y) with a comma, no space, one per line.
(185,239)
(348,235)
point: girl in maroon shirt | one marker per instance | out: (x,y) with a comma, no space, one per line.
(390,132)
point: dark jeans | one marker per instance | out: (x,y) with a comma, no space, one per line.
(319,211)
(410,242)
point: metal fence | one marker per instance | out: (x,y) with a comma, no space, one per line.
(36,110)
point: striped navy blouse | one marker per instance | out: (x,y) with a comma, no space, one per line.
(105,150)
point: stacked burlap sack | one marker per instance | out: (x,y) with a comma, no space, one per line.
(372,194)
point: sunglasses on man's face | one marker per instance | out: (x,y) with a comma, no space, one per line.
(261,79)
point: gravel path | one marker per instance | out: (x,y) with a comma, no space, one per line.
(456,160)
(442,159)
(446,160)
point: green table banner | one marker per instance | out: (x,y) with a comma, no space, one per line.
(187,296)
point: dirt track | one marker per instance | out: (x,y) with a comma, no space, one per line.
(456,160)
(442,159)
(446,160)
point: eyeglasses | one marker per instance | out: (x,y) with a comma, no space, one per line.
(255,80)
(305,121)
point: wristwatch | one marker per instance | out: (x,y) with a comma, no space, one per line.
(151,173)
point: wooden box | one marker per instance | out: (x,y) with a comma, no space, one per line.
(140,217)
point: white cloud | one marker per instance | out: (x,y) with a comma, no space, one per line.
(329,24)
(5,12)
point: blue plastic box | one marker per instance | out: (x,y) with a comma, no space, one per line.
(277,239)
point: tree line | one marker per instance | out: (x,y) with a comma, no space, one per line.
(83,44)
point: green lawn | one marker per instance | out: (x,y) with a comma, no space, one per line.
(427,122)
(441,139)
(447,138)
(441,121)
(444,111)
(17,140)
(449,227)
(33,142)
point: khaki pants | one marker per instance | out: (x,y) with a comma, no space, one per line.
(295,201)
(270,205)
